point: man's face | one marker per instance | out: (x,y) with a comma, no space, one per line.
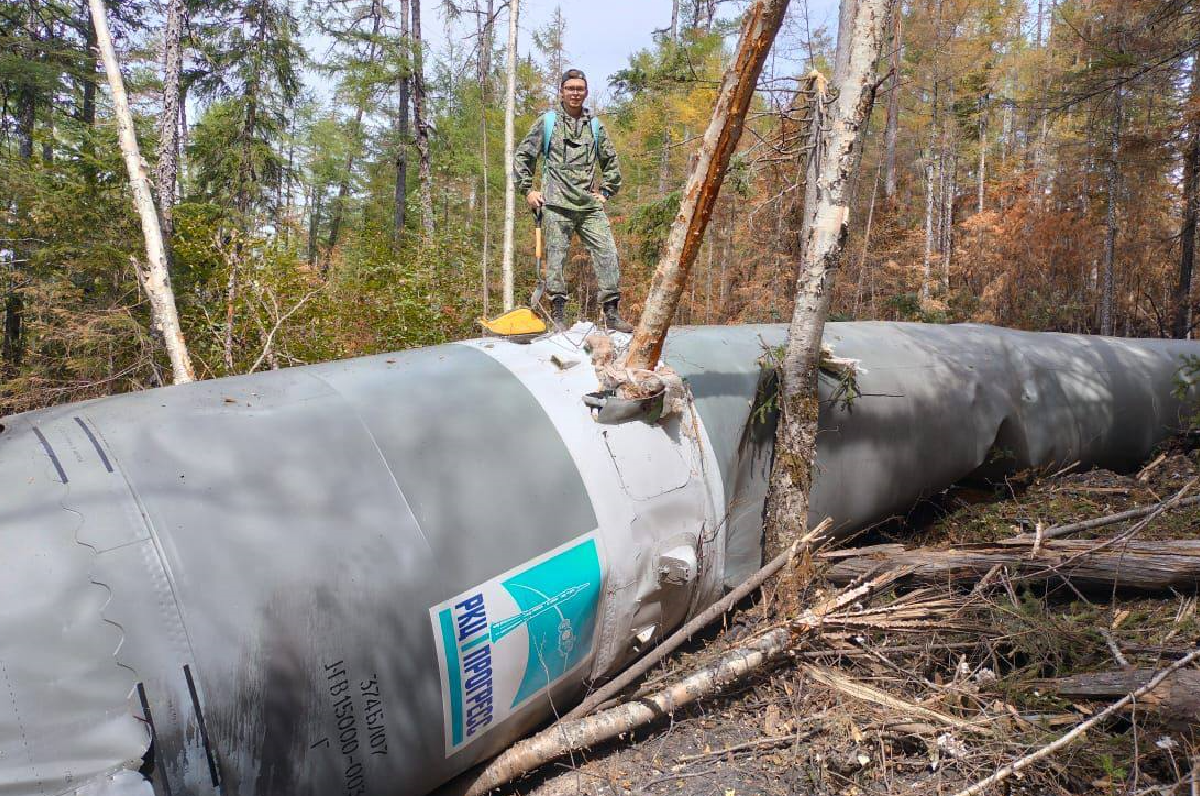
(573,93)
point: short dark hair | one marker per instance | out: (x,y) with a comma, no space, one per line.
(572,74)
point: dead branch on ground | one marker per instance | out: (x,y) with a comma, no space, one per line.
(697,624)
(570,736)
(1149,512)
(1177,699)
(1145,566)
(1024,762)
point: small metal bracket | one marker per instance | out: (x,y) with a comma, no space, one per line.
(608,409)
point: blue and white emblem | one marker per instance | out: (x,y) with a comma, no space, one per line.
(509,639)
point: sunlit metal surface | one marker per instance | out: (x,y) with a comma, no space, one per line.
(366,576)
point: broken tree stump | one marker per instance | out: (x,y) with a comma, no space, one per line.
(1142,566)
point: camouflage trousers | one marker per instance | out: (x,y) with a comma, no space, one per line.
(558,225)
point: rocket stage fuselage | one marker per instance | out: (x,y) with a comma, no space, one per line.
(365,577)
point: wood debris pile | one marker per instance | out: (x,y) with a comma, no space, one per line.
(1065,665)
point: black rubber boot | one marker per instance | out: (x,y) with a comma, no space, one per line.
(558,311)
(612,318)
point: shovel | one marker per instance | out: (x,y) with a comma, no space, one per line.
(522,325)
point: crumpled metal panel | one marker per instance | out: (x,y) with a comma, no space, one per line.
(65,717)
(365,577)
(725,376)
(941,403)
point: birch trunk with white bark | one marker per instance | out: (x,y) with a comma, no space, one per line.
(510,142)
(950,189)
(866,246)
(925,275)
(153,275)
(833,164)
(981,171)
(421,123)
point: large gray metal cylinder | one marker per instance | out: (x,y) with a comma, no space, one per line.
(366,576)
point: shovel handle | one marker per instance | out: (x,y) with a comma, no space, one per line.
(537,233)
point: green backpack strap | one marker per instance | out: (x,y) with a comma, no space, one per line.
(548,120)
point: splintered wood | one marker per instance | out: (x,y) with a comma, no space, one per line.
(634,384)
(762,22)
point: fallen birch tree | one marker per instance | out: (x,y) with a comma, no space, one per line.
(1142,566)
(693,626)
(569,736)
(153,276)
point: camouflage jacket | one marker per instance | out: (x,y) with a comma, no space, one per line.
(573,164)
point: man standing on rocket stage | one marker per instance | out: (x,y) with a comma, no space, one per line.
(579,175)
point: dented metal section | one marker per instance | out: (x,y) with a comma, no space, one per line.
(342,577)
(65,716)
(939,404)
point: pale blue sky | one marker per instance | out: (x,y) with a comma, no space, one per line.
(602,34)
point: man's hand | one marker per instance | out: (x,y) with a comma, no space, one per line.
(534,199)
(600,197)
